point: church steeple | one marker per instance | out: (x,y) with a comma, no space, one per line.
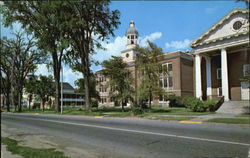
(132,35)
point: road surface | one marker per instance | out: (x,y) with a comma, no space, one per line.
(139,138)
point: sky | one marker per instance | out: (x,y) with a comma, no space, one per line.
(171,25)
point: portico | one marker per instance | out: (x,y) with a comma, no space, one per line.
(222,58)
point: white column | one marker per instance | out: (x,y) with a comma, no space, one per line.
(198,92)
(224,74)
(208,75)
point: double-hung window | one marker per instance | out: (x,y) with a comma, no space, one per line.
(167,80)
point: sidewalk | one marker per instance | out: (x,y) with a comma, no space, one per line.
(206,117)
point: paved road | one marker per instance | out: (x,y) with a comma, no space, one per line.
(141,138)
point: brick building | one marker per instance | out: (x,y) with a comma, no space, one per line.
(179,80)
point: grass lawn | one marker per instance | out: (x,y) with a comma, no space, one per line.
(28,152)
(230,120)
(172,118)
(117,112)
(244,115)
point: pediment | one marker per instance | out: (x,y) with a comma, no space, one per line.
(226,28)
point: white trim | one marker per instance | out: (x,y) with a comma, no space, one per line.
(198,91)
(224,74)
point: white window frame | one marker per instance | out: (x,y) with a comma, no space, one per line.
(167,78)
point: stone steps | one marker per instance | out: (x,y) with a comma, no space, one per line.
(234,107)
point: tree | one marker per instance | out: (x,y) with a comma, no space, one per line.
(30,88)
(120,80)
(24,58)
(81,89)
(147,63)
(5,72)
(44,88)
(46,21)
(88,23)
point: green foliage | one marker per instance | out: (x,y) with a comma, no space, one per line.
(137,110)
(148,67)
(120,79)
(211,104)
(94,103)
(175,101)
(29,152)
(94,94)
(230,120)
(19,58)
(195,104)
(44,88)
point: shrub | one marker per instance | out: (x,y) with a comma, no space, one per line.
(195,104)
(175,101)
(211,104)
(36,106)
(94,104)
(137,110)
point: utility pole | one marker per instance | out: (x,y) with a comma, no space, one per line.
(62,90)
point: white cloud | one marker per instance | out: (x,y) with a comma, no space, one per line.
(152,37)
(112,48)
(119,44)
(178,44)
(70,76)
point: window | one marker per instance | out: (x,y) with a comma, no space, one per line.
(170,81)
(170,67)
(237,25)
(160,98)
(246,70)
(127,55)
(132,36)
(165,83)
(219,91)
(218,73)
(167,67)
(160,82)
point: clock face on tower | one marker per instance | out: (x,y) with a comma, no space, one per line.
(127,55)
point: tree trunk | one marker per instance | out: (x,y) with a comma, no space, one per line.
(8,101)
(87,99)
(123,106)
(56,69)
(20,101)
(30,99)
(150,99)
(86,74)
(57,97)
(43,102)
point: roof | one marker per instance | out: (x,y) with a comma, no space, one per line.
(216,25)
(132,29)
(67,86)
